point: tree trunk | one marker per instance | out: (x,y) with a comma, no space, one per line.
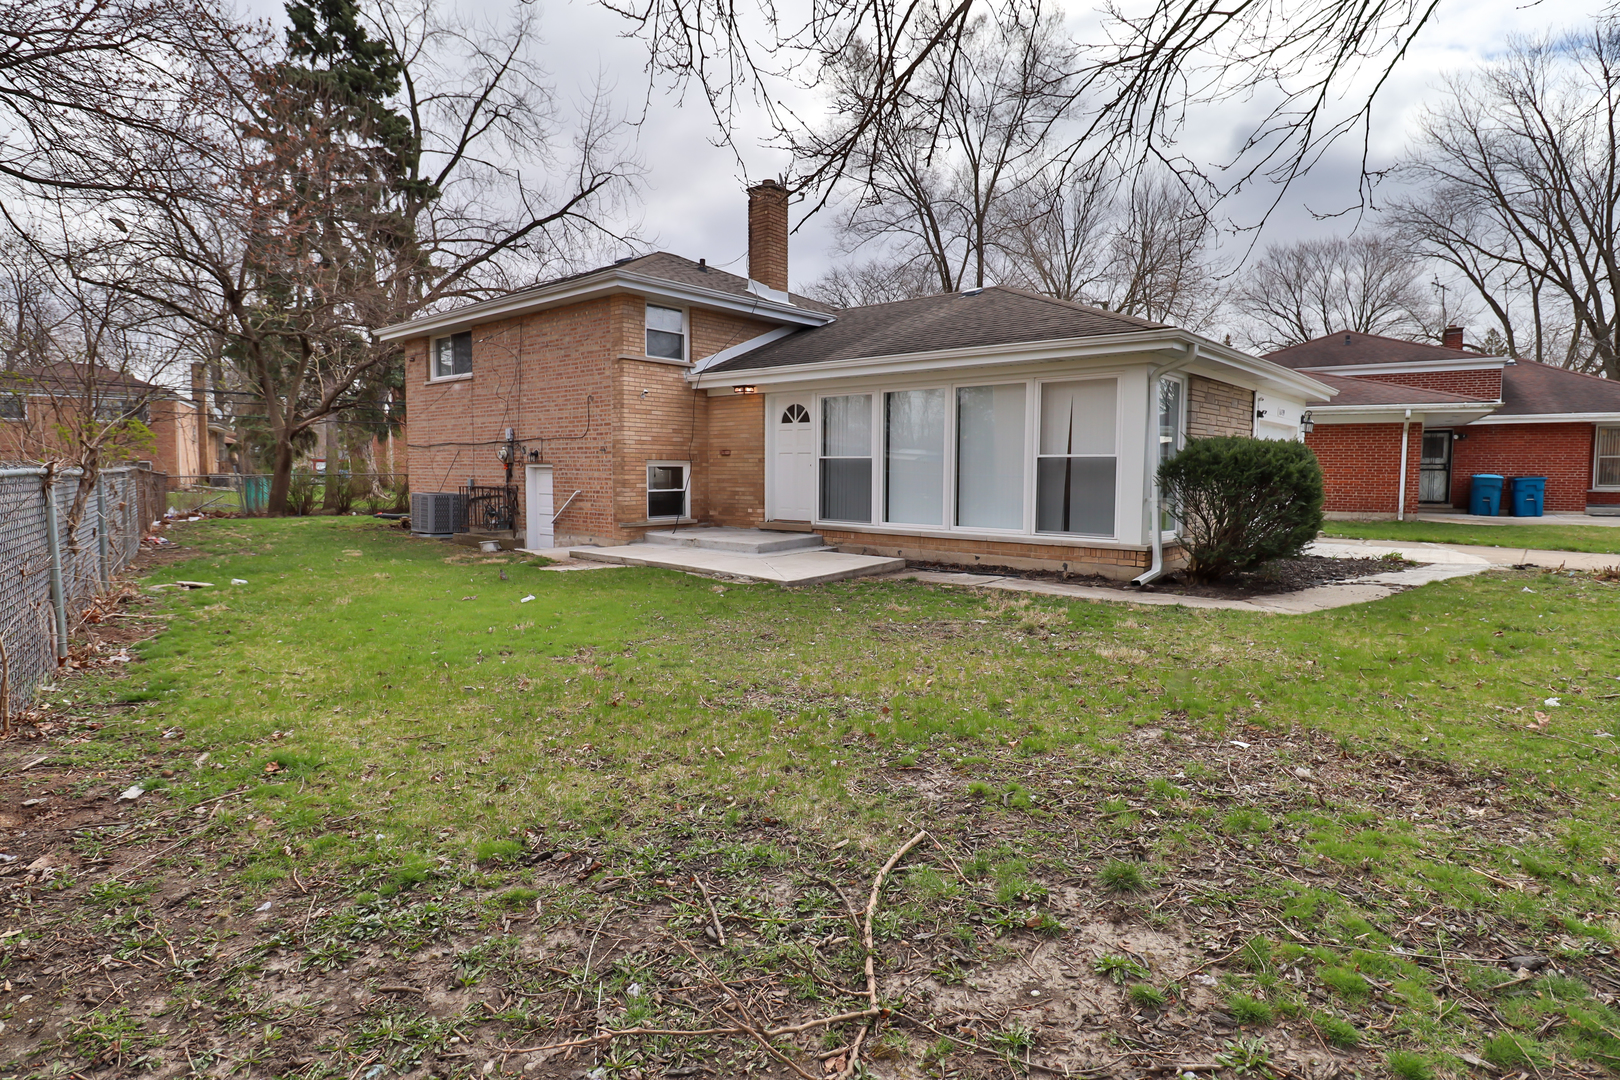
(281,476)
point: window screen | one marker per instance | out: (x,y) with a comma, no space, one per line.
(666,491)
(452,355)
(666,332)
(914,457)
(1608,457)
(990,456)
(13,407)
(846,458)
(1076,466)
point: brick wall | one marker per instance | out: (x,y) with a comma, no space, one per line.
(570,382)
(1117,563)
(1560,452)
(549,376)
(1484,384)
(734,460)
(1217,408)
(1360,463)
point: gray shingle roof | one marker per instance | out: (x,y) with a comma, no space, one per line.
(1530,389)
(993,316)
(1345,349)
(661,264)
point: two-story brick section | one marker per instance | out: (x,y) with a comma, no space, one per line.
(1413,422)
(990,425)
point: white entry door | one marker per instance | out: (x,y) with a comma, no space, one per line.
(537,499)
(793,464)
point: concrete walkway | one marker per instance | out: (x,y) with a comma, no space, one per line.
(1492,556)
(780,568)
(1611,521)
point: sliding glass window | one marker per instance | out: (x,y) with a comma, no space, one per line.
(990,456)
(846,458)
(914,457)
(1076,463)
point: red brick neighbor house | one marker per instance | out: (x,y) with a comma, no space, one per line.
(1412,423)
(991,425)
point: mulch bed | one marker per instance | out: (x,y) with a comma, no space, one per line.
(1277,576)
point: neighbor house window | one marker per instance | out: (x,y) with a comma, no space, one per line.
(666,332)
(846,458)
(452,355)
(1608,457)
(13,407)
(914,457)
(1076,459)
(668,489)
(990,456)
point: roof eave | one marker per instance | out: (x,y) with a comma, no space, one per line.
(603,283)
(1056,349)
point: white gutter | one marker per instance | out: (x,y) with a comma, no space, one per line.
(1155,498)
(1400,498)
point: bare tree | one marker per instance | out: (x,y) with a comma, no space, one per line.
(304,213)
(1134,77)
(1521,166)
(1369,284)
(878,281)
(936,170)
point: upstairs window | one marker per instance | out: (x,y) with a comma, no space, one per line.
(666,332)
(452,355)
(13,407)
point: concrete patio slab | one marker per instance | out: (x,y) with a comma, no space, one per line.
(786,568)
(1460,553)
(562,562)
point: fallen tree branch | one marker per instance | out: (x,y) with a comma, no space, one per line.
(606,1036)
(719,931)
(871,950)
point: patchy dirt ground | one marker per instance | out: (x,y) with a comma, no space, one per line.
(1277,576)
(1247,903)
(1007,941)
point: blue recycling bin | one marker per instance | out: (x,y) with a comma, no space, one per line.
(1485,495)
(1528,494)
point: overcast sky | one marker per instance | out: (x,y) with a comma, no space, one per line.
(693,199)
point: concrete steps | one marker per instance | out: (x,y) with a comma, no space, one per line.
(737,541)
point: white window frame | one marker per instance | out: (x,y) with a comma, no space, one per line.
(1174,527)
(1033,436)
(686,331)
(433,358)
(874,514)
(21,399)
(1597,459)
(1032,405)
(685,490)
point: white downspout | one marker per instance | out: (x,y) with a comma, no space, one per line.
(1400,497)
(1155,511)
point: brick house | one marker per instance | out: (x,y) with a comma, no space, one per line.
(990,425)
(40,408)
(1412,422)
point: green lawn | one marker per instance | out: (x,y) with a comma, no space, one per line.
(1302,798)
(1596,538)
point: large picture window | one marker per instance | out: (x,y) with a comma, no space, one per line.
(452,355)
(1077,458)
(1607,473)
(846,458)
(914,457)
(990,456)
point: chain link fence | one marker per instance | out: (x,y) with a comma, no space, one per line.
(48,577)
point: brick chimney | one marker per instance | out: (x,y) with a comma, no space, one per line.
(1452,337)
(768,234)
